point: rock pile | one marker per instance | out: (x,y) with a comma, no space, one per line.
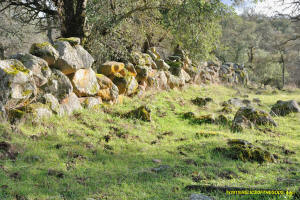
(59,78)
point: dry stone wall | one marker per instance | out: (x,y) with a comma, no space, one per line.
(59,78)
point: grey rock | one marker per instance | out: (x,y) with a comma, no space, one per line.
(71,104)
(38,66)
(283,108)
(72,58)
(160,168)
(200,197)
(58,85)
(53,104)
(45,51)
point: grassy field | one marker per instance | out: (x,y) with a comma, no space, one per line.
(99,155)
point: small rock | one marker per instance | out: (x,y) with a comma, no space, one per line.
(156,160)
(143,113)
(160,168)
(200,197)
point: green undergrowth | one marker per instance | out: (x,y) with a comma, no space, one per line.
(101,155)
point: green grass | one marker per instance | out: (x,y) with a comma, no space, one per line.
(85,166)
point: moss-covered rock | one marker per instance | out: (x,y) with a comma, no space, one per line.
(245,151)
(199,101)
(283,108)
(72,40)
(17,84)
(142,113)
(248,116)
(38,66)
(45,51)
(204,119)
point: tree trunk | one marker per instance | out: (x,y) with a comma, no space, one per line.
(283,70)
(1,52)
(73,19)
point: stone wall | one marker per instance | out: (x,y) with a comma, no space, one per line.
(59,78)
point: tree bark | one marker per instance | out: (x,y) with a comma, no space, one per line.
(283,69)
(72,14)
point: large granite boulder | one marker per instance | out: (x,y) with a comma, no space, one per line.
(45,51)
(70,104)
(247,117)
(85,83)
(58,85)
(17,84)
(72,58)
(162,80)
(283,108)
(39,67)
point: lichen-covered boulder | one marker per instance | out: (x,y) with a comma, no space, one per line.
(58,85)
(283,108)
(70,104)
(110,68)
(142,113)
(39,67)
(245,151)
(85,82)
(17,84)
(52,103)
(248,116)
(72,58)
(39,110)
(108,90)
(45,51)
(91,102)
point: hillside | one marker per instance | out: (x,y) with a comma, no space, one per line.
(101,154)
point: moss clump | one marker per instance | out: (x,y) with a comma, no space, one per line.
(72,40)
(201,101)
(227,109)
(245,151)
(205,119)
(175,67)
(142,113)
